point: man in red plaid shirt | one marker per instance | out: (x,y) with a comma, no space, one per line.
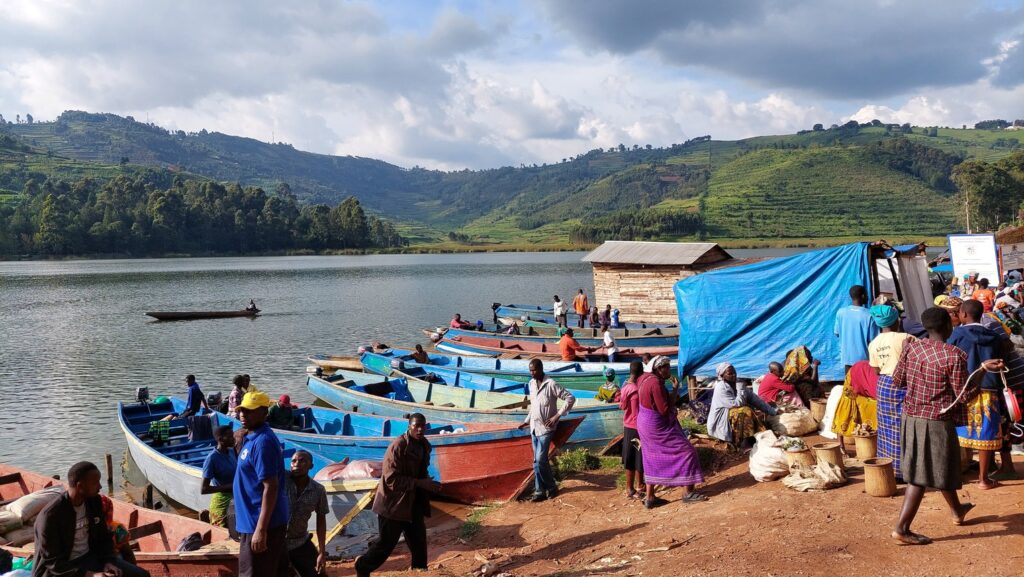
(934,374)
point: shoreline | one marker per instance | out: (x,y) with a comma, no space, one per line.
(454,248)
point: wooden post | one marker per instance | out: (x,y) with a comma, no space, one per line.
(110,472)
(147,496)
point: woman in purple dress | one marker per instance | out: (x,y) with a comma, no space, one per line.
(668,457)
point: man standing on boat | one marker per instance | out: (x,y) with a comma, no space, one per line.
(306,496)
(71,536)
(402,502)
(542,420)
(261,505)
(560,310)
(581,306)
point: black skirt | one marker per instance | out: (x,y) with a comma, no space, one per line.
(931,454)
(631,460)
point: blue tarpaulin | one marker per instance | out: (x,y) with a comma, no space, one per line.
(750,315)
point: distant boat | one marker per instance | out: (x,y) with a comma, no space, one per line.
(154,534)
(491,347)
(195,315)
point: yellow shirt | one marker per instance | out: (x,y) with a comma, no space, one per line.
(884,351)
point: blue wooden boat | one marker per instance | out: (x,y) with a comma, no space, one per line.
(175,468)
(576,375)
(477,345)
(369,393)
(587,341)
(544,313)
(412,370)
(462,457)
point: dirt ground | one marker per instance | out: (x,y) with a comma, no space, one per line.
(746,528)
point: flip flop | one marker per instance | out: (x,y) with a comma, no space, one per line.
(694,497)
(1006,476)
(910,539)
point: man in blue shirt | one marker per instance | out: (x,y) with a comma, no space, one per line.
(196,398)
(854,328)
(261,505)
(219,476)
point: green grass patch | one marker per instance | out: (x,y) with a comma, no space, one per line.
(471,526)
(693,426)
(575,461)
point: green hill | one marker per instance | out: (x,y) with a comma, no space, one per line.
(867,180)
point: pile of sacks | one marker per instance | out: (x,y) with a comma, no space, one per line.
(16,518)
(768,463)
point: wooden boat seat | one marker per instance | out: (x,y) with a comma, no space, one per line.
(146,530)
(11,478)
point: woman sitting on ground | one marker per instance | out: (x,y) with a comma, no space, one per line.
(801,371)
(669,460)
(732,417)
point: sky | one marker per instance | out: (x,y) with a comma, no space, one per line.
(453,85)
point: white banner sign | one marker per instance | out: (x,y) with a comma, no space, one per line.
(974,253)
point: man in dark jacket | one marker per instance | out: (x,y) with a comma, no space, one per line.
(402,502)
(72,538)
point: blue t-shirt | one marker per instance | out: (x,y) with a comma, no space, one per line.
(195,398)
(855,329)
(220,467)
(261,458)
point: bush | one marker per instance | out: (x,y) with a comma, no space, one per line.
(575,461)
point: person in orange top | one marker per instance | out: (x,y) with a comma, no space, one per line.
(581,306)
(984,295)
(570,346)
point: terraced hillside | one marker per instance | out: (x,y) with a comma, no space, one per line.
(819,192)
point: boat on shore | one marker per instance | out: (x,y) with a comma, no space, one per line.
(335,362)
(462,457)
(573,374)
(175,469)
(552,340)
(546,314)
(483,346)
(411,370)
(369,393)
(154,535)
(198,315)
(545,330)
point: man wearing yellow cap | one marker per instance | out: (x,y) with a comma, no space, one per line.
(261,505)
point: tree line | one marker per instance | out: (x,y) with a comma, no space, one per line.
(992,193)
(638,225)
(152,213)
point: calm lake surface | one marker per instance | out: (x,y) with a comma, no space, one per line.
(74,340)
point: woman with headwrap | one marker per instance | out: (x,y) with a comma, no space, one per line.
(883,353)
(801,371)
(668,457)
(732,417)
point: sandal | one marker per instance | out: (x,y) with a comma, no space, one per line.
(1005,476)
(631,494)
(694,497)
(655,502)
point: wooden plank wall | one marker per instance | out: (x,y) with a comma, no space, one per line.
(640,294)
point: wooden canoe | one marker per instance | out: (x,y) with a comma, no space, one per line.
(545,330)
(546,314)
(411,370)
(196,315)
(463,453)
(175,469)
(573,374)
(368,393)
(335,362)
(552,340)
(484,346)
(156,535)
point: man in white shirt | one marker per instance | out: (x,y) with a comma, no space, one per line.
(610,347)
(542,420)
(560,310)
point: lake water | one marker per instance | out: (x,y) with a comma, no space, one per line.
(74,340)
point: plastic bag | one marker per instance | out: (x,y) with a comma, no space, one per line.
(825,429)
(822,476)
(767,462)
(347,470)
(795,424)
(27,507)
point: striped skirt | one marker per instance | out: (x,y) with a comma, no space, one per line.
(890,407)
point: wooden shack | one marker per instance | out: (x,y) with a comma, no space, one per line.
(637,277)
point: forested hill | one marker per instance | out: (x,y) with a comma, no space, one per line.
(866,180)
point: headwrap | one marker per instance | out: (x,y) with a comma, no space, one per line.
(659,361)
(721,368)
(884,315)
(798,363)
(609,373)
(951,304)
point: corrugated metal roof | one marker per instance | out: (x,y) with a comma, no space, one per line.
(653,253)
